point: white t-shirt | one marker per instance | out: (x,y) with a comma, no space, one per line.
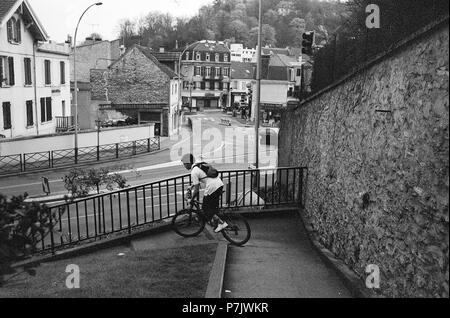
(211,185)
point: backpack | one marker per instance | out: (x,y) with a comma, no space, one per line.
(210,171)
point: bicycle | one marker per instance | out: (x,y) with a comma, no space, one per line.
(191,222)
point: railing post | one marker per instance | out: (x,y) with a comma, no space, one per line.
(98,153)
(159,143)
(22,168)
(76,155)
(302,205)
(149,148)
(117,151)
(51,161)
(134,148)
(128,212)
(52,239)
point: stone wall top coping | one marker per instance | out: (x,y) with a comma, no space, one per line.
(441,23)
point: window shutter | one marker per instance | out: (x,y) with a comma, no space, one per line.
(18,32)
(9,26)
(63,72)
(49,109)
(12,81)
(42,110)
(1,72)
(7,115)
(30,121)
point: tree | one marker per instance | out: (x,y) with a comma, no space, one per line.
(239,31)
(22,226)
(297,27)
(268,36)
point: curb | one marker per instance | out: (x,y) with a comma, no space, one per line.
(349,277)
(27,173)
(89,248)
(216,278)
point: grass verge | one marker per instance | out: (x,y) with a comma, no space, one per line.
(172,273)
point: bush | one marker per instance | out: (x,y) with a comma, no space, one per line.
(79,183)
(22,226)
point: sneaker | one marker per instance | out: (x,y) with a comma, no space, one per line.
(221,227)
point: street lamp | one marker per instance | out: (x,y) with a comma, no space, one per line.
(75,78)
(258,90)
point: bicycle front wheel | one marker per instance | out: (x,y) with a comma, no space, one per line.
(188,223)
(238,231)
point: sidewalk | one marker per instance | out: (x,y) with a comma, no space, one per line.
(279,262)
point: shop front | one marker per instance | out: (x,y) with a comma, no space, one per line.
(271,114)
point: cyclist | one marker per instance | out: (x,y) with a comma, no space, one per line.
(213,191)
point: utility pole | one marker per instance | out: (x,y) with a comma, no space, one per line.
(258,89)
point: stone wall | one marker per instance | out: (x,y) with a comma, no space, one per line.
(377,149)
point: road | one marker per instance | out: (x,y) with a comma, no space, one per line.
(230,148)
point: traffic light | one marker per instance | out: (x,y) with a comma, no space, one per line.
(308,42)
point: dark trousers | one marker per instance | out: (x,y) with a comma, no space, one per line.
(211,203)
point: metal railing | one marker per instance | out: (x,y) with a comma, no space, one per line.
(124,211)
(29,162)
(64,123)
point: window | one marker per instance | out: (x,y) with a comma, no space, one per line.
(225,85)
(46,109)
(14,31)
(187,56)
(6,106)
(7,71)
(48,77)
(197,85)
(27,68)
(198,70)
(62,67)
(208,71)
(217,57)
(30,119)
(299,72)
(208,57)
(198,56)
(207,85)
(216,85)
(226,71)
(225,57)
(218,72)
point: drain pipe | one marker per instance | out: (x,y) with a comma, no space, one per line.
(35,88)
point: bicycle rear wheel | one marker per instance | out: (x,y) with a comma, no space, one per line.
(238,231)
(188,223)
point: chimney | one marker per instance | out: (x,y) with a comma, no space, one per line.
(265,61)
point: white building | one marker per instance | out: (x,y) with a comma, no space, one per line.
(242,78)
(34,74)
(241,54)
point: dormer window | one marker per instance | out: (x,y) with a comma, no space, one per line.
(217,57)
(208,57)
(14,31)
(225,57)
(187,56)
(198,57)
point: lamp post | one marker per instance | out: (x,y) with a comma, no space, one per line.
(258,90)
(75,78)
(180,97)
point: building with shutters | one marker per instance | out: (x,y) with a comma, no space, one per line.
(206,73)
(34,74)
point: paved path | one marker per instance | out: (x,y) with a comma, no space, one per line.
(279,262)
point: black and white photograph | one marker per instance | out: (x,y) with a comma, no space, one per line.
(222,155)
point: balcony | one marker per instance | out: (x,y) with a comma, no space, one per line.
(65,123)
